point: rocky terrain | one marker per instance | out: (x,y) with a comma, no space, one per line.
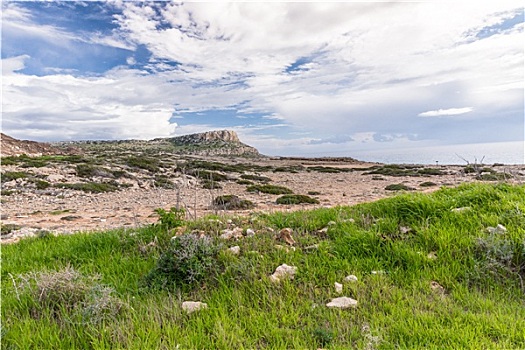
(14,147)
(119,184)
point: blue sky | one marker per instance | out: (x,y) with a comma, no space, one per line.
(291,78)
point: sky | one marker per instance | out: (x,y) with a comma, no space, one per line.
(309,79)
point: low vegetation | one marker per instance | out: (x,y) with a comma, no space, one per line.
(296,199)
(403,170)
(270,189)
(232,202)
(398,187)
(428,276)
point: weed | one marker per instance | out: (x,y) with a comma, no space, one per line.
(244,182)
(296,199)
(8,228)
(271,189)
(163,182)
(41,184)
(323,336)
(232,202)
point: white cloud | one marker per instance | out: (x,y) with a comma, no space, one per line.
(446,112)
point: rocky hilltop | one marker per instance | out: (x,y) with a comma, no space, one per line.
(15,147)
(214,143)
(211,143)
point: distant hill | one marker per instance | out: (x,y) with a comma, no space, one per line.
(14,147)
(211,143)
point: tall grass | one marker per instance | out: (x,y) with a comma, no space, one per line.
(400,249)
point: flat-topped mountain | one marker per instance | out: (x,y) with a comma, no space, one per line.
(211,143)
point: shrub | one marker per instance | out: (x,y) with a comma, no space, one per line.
(296,199)
(232,202)
(256,178)
(189,259)
(170,219)
(163,182)
(68,290)
(427,184)
(13,175)
(398,187)
(150,164)
(41,184)
(271,189)
(244,182)
(314,193)
(93,187)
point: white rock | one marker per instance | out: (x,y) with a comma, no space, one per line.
(459,210)
(192,306)
(236,250)
(342,303)
(351,278)
(283,272)
(338,288)
(500,229)
(250,232)
(331,223)
(226,234)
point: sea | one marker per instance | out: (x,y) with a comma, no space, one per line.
(479,153)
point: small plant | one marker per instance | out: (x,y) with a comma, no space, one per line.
(170,219)
(296,199)
(41,184)
(271,189)
(188,260)
(323,336)
(150,164)
(8,228)
(232,202)
(398,187)
(427,184)
(163,182)
(314,193)
(244,182)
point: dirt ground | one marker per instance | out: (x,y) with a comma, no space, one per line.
(69,211)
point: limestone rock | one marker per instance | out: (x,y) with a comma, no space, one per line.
(351,278)
(500,229)
(192,306)
(342,303)
(338,288)
(283,272)
(235,250)
(286,235)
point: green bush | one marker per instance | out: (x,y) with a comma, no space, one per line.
(296,199)
(93,187)
(13,175)
(398,187)
(256,178)
(271,189)
(170,219)
(232,202)
(189,259)
(150,164)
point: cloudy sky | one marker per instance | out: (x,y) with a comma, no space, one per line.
(291,78)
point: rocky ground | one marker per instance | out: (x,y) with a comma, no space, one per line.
(36,200)
(101,185)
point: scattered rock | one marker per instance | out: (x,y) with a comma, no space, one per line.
(500,229)
(351,278)
(460,210)
(286,249)
(236,250)
(432,256)
(283,272)
(342,303)
(192,306)
(338,288)
(404,229)
(228,234)
(312,247)
(331,223)
(286,235)
(250,232)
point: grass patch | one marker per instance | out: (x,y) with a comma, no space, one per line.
(147,163)
(255,178)
(270,189)
(296,199)
(428,184)
(428,277)
(232,202)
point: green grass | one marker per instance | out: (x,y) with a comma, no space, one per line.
(413,239)
(296,199)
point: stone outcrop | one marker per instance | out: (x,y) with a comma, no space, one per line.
(214,143)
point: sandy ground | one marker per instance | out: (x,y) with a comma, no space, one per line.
(70,211)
